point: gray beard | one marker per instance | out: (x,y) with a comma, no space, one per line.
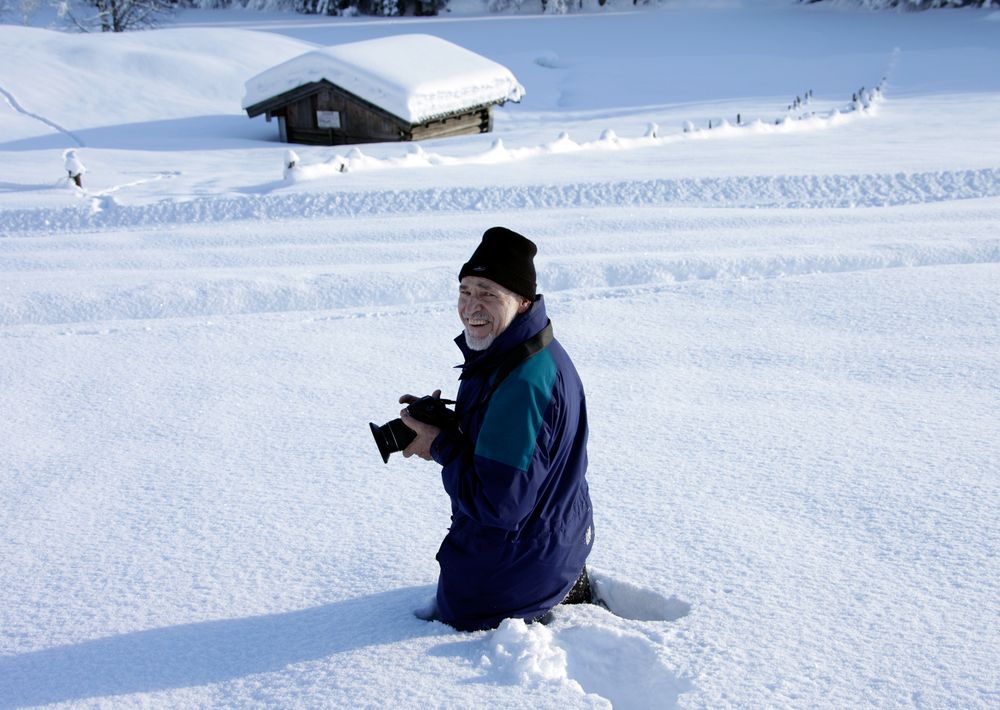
(475,343)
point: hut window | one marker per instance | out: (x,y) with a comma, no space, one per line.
(328,119)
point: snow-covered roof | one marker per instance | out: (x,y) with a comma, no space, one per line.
(416,77)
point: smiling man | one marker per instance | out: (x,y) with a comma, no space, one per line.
(515,468)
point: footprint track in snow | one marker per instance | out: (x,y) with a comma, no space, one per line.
(369,290)
(630,601)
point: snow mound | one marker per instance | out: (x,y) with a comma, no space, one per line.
(574,654)
(525,654)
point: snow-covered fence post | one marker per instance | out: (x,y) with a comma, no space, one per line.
(74,167)
(291,164)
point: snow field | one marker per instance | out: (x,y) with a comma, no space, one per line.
(803,480)
(788,337)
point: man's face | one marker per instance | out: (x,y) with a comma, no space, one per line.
(486,309)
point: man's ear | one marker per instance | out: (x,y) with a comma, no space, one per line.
(523,306)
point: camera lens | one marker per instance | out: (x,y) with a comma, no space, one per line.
(394,436)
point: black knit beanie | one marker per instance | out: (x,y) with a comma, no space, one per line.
(506,257)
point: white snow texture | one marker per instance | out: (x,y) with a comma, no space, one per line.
(788,327)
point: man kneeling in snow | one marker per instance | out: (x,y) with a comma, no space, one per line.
(515,469)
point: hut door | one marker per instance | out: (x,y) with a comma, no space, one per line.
(329,115)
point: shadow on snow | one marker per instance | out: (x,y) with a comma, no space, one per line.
(210,651)
(192,133)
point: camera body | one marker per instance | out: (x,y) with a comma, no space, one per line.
(433,411)
(396,436)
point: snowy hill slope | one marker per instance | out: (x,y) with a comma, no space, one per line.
(112,84)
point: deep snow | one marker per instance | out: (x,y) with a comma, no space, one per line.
(788,334)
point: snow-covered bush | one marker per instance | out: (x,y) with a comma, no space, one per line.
(114,15)
(74,167)
(557,7)
(386,8)
(308,7)
(916,4)
(505,5)
(291,164)
(18,10)
(243,4)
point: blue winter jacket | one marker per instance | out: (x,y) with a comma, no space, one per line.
(522,523)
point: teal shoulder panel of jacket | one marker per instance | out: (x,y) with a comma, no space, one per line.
(515,412)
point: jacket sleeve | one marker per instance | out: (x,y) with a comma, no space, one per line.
(495,480)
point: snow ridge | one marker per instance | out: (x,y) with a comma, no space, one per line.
(771,191)
(148,283)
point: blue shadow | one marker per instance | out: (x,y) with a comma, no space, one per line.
(211,651)
(192,133)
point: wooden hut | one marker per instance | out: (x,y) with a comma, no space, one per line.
(401,88)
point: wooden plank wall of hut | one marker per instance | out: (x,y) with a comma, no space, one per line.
(473,122)
(330,136)
(358,123)
(362,123)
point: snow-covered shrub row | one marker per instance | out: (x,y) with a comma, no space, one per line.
(862,102)
(914,4)
(386,8)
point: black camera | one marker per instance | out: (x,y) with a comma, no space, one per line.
(396,436)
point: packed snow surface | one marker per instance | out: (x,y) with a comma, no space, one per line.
(416,77)
(787,325)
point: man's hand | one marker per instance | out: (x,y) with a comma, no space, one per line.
(426,433)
